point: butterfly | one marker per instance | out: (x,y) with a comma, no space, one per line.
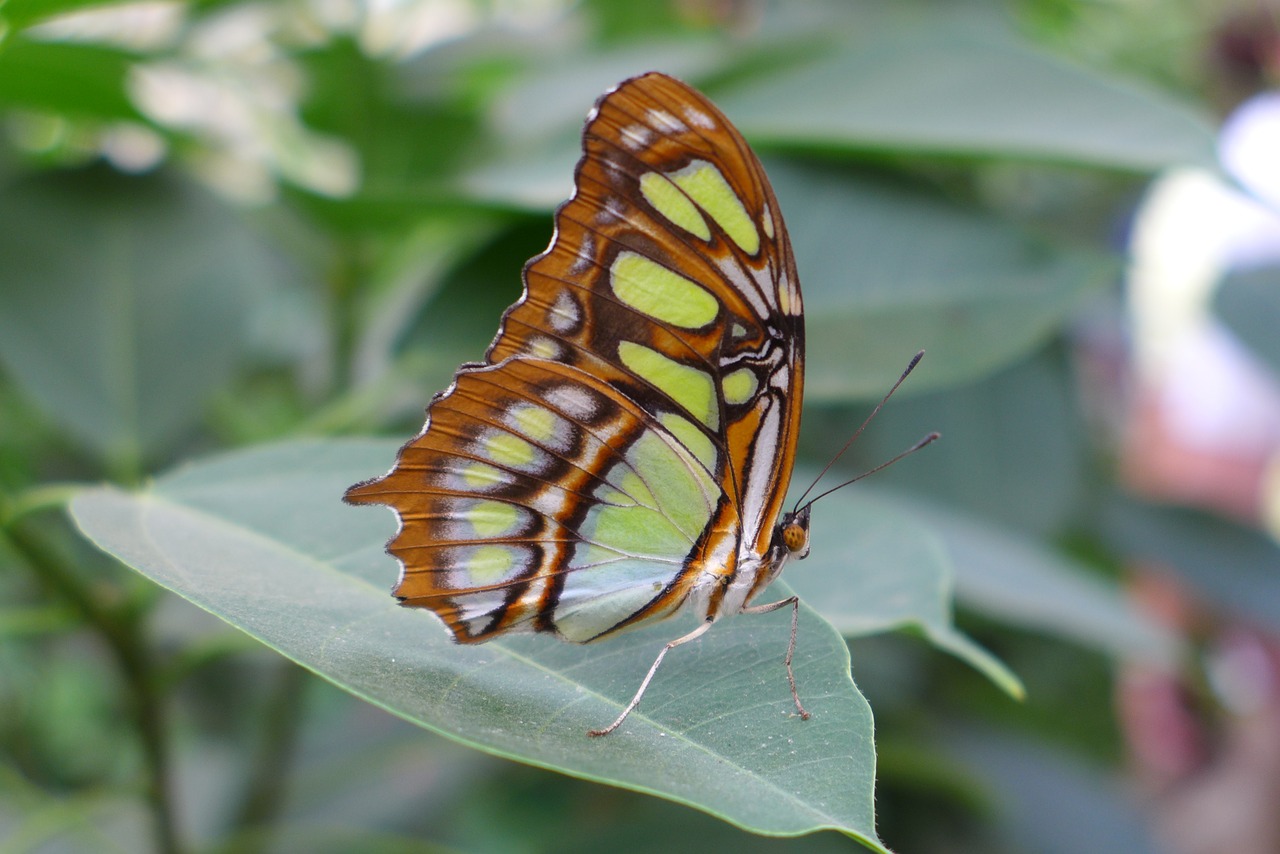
(624,450)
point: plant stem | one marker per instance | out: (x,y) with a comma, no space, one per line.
(265,792)
(344,280)
(134,660)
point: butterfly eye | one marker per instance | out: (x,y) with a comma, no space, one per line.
(795,536)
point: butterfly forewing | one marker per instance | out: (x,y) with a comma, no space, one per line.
(628,442)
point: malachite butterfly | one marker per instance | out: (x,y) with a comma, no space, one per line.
(624,450)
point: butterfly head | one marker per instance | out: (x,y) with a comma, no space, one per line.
(793,532)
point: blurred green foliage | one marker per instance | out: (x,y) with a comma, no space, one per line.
(228,223)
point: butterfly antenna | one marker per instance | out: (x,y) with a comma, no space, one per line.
(915,360)
(932,437)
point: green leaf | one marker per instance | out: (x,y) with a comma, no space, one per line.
(539,119)
(1010,462)
(554,95)
(393,301)
(261,539)
(31,819)
(1013,446)
(1048,800)
(887,270)
(1015,579)
(70,79)
(458,322)
(406,141)
(955,90)
(125,303)
(1227,563)
(537,178)
(874,568)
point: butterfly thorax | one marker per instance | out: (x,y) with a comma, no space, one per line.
(754,571)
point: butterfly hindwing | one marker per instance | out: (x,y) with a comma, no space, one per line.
(629,439)
(540,499)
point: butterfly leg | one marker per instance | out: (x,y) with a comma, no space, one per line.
(635,701)
(794,602)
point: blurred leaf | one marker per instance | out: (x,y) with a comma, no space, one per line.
(357,766)
(78,80)
(616,21)
(1012,449)
(124,303)
(934,83)
(27,440)
(955,90)
(888,270)
(1012,578)
(874,567)
(536,178)
(1248,301)
(405,284)
(550,101)
(1236,567)
(62,711)
(261,539)
(1047,801)
(537,122)
(339,840)
(31,819)
(22,620)
(523,810)
(404,143)
(462,317)
(384,213)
